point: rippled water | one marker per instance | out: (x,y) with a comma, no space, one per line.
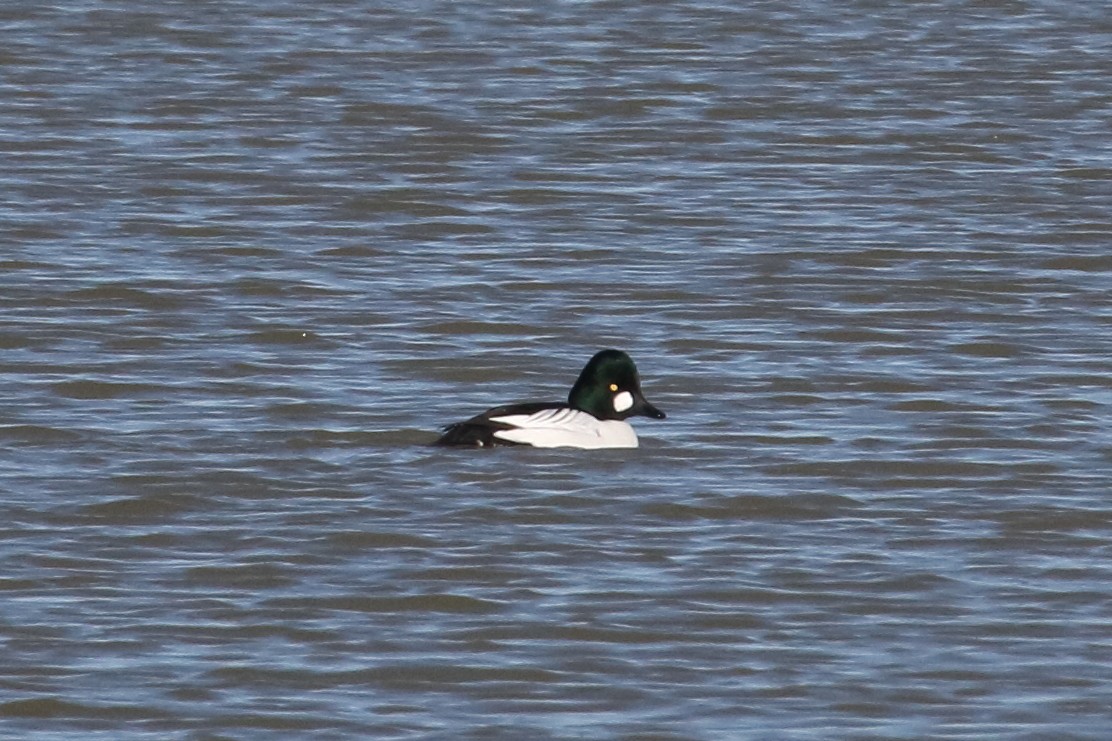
(255,254)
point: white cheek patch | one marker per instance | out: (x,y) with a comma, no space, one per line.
(623,401)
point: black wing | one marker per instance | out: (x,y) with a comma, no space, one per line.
(478,432)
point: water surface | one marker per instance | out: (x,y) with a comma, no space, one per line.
(256,253)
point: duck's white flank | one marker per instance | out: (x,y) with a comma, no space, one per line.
(566,428)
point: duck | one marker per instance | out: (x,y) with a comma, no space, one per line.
(606,394)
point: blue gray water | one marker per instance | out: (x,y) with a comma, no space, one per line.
(255,254)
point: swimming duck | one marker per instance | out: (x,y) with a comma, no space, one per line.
(607,392)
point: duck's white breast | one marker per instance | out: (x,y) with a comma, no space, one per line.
(566,428)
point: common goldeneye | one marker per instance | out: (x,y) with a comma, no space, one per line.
(607,392)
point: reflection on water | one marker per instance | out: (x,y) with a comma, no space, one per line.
(256,256)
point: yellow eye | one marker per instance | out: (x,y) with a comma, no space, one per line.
(613,387)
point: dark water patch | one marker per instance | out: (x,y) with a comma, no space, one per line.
(405,604)
(279,335)
(254,576)
(94,389)
(411,203)
(784,439)
(856,336)
(37,435)
(473,680)
(988,349)
(359,251)
(467,679)
(912,473)
(471,328)
(9,266)
(305,411)
(886,386)
(115,295)
(16,585)
(757,507)
(362,540)
(290,289)
(1072,381)
(145,508)
(1081,263)
(797,400)
(226,246)
(933,406)
(327,439)
(57,708)
(1034,521)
